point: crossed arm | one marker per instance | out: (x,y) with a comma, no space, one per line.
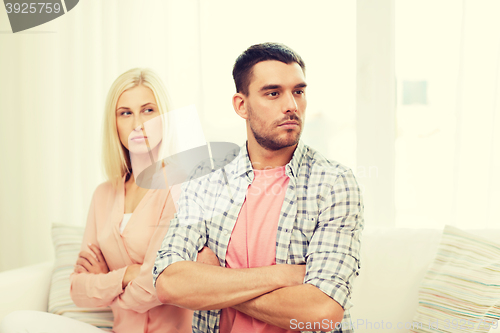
(95,284)
(96,264)
(273,294)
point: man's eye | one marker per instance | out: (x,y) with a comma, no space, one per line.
(299,92)
(273,94)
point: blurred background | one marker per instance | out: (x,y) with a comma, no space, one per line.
(406,93)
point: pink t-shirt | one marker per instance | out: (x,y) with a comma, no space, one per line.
(253,241)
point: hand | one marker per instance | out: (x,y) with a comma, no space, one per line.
(207,256)
(292,275)
(91,263)
(130,274)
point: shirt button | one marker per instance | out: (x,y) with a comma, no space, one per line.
(225,232)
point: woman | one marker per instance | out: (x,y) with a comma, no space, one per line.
(126,223)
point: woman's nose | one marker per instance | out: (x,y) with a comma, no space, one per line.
(137,124)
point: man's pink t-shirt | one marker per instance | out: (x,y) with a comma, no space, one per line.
(253,241)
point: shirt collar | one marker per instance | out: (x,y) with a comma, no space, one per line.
(294,165)
(244,166)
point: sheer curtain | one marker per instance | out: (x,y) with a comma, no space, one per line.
(54,80)
(477,163)
(447,144)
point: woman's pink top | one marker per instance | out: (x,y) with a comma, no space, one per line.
(136,308)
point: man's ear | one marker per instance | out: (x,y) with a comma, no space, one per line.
(240,106)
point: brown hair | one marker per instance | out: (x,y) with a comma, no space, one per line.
(242,70)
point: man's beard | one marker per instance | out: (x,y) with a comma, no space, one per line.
(267,141)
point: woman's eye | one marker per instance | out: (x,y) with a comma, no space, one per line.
(149,110)
(125,113)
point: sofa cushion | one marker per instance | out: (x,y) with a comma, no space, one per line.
(393,262)
(67,242)
(461,289)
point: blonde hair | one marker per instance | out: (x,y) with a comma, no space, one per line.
(115,156)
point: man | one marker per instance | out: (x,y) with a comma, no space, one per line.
(283,221)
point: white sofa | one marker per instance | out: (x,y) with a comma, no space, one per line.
(25,288)
(386,291)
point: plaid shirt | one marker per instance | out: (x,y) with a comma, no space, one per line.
(320,223)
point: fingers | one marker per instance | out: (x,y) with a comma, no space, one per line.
(88,257)
(80,269)
(84,264)
(97,252)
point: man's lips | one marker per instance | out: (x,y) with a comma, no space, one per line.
(289,124)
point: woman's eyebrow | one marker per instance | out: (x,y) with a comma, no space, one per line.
(127,108)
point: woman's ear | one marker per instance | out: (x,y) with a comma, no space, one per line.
(239,105)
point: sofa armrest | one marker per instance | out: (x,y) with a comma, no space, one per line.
(25,288)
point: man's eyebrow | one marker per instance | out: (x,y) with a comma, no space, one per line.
(270,87)
(126,108)
(277,86)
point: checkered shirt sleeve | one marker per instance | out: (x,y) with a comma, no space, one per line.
(187,232)
(332,257)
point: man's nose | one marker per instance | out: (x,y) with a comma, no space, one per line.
(290,104)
